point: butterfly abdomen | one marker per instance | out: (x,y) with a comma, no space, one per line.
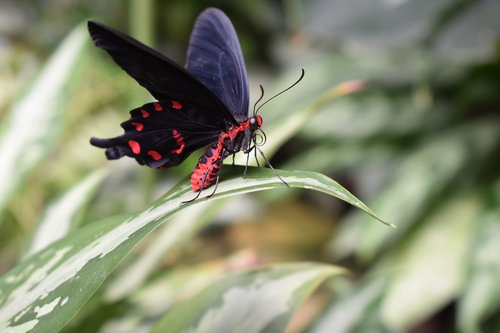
(207,169)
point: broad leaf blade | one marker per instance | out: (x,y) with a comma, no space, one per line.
(250,302)
(176,232)
(47,289)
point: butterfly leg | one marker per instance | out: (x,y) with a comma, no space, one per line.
(195,197)
(255,155)
(216,180)
(247,152)
(246,164)
(270,166)
(205,175)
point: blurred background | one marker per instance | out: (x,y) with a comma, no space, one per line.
(413,130)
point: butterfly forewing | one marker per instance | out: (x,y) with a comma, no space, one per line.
(214,57)
(164,79)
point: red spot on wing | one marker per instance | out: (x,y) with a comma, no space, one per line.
(176,105)
(179,140)
(138,126)
(157,106)
(178,150)
(134,145)
(145,113)
(154,155)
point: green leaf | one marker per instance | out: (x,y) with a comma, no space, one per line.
(481,296)
(351,308)
(416,184)
(327,157)
(175,233)
(34,121)
(61,216)
(158,295)
(430,265)
(250,302)
(374,113)
(47,289)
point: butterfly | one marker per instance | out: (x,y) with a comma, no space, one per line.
(204,104)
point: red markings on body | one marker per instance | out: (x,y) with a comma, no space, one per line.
(179,140)
(233,132)
(138,126)
(208,167)
(145,113)
(157,106)
(154,155)
(176,105)
(134,145)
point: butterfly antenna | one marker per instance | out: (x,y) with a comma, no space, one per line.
(281,92)
(260,98)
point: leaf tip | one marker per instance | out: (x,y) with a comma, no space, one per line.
(389,224)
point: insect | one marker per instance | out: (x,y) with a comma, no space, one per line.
(205,104)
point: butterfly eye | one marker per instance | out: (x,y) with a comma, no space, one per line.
(254,124)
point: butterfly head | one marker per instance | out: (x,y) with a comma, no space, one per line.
(254,123)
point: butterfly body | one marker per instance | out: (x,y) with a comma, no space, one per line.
(205,104)
(232,141)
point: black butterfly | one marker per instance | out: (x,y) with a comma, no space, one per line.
(204,104)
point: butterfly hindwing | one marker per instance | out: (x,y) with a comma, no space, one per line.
(214,57)
(161,134)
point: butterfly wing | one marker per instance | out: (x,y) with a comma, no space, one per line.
(214,57)
(164,79)
(161,134)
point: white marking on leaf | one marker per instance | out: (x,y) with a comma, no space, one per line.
(252,308)
(46,308)
(36,277)
(12,278)
(43,282)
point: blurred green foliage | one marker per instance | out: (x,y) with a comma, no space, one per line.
(419,143)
